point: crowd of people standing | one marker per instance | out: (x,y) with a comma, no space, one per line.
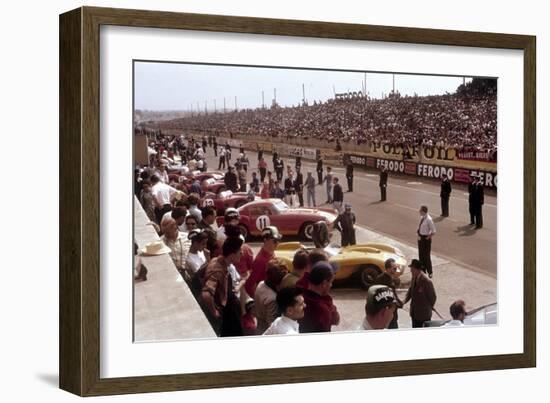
(243,293)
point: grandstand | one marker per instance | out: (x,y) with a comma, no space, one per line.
(464,120)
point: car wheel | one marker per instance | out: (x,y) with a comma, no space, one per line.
(367,275)
(244,231)
(306,231)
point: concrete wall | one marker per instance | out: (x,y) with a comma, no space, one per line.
(164,307)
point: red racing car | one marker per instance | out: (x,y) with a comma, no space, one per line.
(225,199)
(213,180)
(257,215)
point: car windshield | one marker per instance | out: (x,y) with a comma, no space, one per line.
(332,250)
(280,206)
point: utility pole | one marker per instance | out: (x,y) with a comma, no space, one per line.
(215,108)
(303,94)
(235,102)
(275,95)
(393,78)
(263,105)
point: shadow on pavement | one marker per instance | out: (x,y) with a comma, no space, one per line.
(465,230)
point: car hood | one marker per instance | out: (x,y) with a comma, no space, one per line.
(330,217)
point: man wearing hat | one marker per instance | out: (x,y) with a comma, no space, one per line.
(422,295)
(445,195)
(320,313)
(231,228)
(231,216)
(380,308)
(387,278)
(345,223)
(271,238)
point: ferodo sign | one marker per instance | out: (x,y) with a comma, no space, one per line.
(412,168)
(391,165)
(360,160)
(489,179)
(434,171)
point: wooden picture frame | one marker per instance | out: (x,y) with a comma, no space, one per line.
(80,196)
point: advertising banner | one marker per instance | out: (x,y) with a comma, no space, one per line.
(476,155)
(306,153)
(432,171)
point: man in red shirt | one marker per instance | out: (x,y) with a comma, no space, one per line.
(320,313)
(271,238)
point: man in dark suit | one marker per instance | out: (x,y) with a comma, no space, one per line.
(479,200)
(349,175)
(471,198)
(279,166)
(445,195)
(422,295)
(299,186)
(320,170)
(383,183)
(231,180)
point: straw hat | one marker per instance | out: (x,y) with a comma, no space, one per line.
(154,248)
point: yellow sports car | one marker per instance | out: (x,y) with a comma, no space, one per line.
(360,263)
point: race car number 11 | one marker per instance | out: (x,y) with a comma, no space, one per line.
(262,222)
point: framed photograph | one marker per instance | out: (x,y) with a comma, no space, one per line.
(250,201)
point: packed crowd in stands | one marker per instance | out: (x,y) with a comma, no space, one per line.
(465,120)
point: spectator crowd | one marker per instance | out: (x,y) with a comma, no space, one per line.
(464,120)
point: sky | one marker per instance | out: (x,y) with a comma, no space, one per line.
(180,86)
